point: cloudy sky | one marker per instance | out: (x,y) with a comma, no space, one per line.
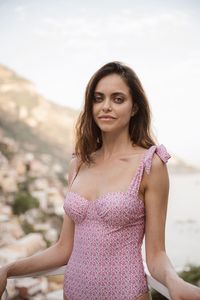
(59,44)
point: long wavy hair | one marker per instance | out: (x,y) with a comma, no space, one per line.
(88,137)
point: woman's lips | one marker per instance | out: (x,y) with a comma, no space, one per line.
(106,118)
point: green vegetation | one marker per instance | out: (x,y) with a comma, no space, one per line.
(191,274)
(27,228)
(23,202)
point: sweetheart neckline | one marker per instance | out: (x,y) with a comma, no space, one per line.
(127,191)
(104,195)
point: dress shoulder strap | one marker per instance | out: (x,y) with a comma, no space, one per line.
(146,164)
(161,151)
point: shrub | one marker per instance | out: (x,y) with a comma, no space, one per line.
(191,274)
(23,202)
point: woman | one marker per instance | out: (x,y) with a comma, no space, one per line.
(118,191)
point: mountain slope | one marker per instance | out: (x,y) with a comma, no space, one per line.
(38,125)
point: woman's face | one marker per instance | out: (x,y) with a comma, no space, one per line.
(112,104)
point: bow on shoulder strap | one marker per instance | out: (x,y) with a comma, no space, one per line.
(162,153)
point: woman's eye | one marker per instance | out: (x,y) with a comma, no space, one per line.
(97,99)
(119,100)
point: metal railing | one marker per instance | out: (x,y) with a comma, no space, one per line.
(152,282)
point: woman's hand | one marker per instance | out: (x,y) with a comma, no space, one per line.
(3,280)
(182,290)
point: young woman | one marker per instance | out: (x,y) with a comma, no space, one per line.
(117,193)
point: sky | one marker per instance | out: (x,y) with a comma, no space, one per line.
(59,44)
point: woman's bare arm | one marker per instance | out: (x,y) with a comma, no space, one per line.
(156,200)
(159,264)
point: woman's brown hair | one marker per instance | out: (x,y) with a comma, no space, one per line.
(88,135)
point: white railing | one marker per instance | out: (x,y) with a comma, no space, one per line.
(152,282)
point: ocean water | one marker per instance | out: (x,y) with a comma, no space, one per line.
(183,219)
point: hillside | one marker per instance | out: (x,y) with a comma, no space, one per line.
(38,125)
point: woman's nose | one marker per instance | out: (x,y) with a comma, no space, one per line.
(106,105)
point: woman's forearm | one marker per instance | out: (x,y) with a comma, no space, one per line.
(53,257)
(161,269)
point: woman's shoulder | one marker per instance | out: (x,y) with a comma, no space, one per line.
(74,163)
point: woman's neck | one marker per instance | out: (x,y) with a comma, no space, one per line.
(114,145)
